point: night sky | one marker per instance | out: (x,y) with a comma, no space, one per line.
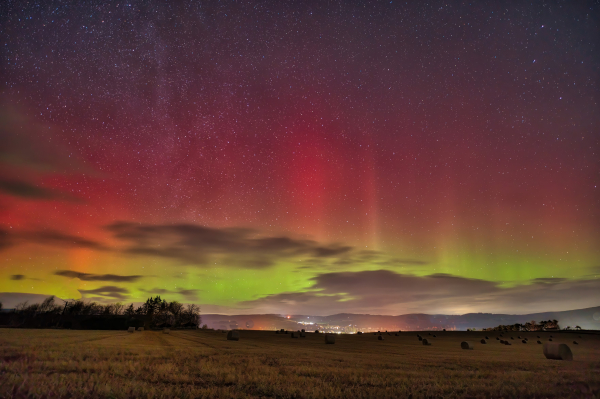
(302,157)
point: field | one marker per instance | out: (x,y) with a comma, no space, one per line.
(203,364)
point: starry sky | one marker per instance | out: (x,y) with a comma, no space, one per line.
(302,157)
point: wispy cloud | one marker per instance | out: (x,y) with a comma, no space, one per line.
(97,277)
(48,237)
(27,190)
(197,244)
(188,294)
(387,292)
(107,291)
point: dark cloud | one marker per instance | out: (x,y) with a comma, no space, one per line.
(17,277)
(198,244)
(387,292)
(109,291)
(23,189)
(97,277)
(52,237)
(48,237)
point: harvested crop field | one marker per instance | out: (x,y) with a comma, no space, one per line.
(204,364)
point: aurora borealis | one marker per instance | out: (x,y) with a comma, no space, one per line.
(302,157)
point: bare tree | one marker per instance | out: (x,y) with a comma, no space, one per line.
(118,308)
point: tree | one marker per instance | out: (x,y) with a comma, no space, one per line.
(130,311)
(118,308)
(0,305)
(576,327)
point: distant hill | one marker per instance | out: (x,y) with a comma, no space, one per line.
(588,319)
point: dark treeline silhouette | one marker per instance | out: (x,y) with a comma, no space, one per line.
(78,314)
(529,326)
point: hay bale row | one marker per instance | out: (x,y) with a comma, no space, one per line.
(557,351)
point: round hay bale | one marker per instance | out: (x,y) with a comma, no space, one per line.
(524,341)
(575,343)
(131,329)
(483,341)
(539,342)
(428,333)
(434,336)
(466,345)
(330,339)
(166,331)
(359,333)
(420,338)
(140,329)
(426,342)
(294,335)
(519,337)
(497,339)
(507,343)
(486,337)
(549,339)
(316,331)
(512,338)
(557,351)
(396,334)
(502,341)
(380,337)
(233,335)
(551,336)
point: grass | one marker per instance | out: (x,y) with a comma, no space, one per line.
(203,364)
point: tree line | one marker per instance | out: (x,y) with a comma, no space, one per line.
(154,313)
(531,326)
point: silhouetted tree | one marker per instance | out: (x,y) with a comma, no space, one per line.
(118,308)
(130,311)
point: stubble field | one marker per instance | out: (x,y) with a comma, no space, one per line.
(203,364)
